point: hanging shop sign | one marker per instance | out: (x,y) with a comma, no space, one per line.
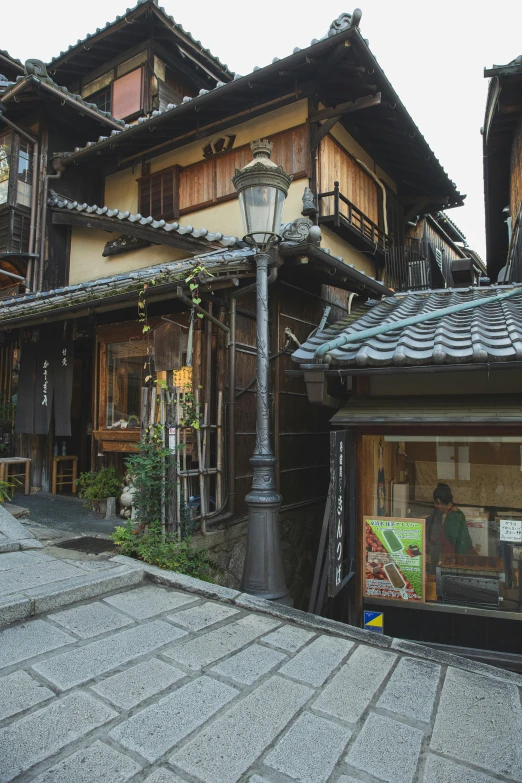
(336,554)
(394,558)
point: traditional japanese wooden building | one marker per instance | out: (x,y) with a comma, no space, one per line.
(116,187)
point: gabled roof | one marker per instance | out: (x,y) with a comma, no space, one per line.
(127,30)
(386,130)
(158,231)
(10,66)
(59,93)
(490,333)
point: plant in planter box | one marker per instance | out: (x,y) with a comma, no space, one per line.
(95,487)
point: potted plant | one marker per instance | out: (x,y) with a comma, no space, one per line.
(95,487)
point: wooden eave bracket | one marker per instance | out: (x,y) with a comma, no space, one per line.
(335,113)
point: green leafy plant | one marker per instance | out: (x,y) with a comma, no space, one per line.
(7,489)
(193,279)
(98,485)
(7,411)
(173,555)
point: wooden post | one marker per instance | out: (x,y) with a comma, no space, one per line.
(171,509)
(337,220)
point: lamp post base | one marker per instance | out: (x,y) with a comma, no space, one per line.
(263,572)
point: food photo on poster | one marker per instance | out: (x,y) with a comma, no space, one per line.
(394,567)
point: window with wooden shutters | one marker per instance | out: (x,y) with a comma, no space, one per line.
(128,95)
(210,181)
(158,194)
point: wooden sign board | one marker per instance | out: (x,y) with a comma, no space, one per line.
(395,558)
(336,553)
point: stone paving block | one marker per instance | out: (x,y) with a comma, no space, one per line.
(386,749)
(317,661)
(29,639)
(91,660)
(17,559)
(134,685)
(18,692)
(163,776)
(6,545)
(289,638)
(14,607)
(90,619)
(439,770)
(189,584)
(42,733)
(411,689)
(479,720)
(345,779)
(353,687)
(89,765)
(250,664)
(148,601)
(20,580)
(202,616)
(156,729)
(224,750)
(212,646)
(310,749)
(82,587)
(257,779)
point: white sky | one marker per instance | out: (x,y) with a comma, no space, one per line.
(433,54)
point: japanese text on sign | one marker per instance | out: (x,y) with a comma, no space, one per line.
(46,382)
(337,526)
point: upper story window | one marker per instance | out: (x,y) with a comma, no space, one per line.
(16,170)
(102,99)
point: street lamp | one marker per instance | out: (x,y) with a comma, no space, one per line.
(262,188)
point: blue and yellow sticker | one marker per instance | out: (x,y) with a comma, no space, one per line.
(374,621)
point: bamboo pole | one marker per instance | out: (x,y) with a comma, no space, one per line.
(162,422)
(178,477)
(203,526)
(219,451)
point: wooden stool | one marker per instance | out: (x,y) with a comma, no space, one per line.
(5,462)
(65,477)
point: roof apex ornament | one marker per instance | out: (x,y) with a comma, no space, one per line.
(35,68)
(301,230)
(345,21)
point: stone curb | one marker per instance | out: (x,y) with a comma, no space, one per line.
(39,600)
(322,624)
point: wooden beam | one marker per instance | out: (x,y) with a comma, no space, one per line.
(347,108)
(323,129)
(101,223)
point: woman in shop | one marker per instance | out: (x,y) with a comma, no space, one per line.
(447,530)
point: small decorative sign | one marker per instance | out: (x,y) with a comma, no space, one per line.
(336,522)
(374,621)
(172,439)
(511,530)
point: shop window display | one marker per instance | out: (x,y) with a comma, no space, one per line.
(128,365)
(464,494)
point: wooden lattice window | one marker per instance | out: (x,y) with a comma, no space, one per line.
(158,194)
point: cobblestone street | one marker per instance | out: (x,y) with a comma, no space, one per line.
(182,681)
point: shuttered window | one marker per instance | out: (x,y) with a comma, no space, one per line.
(127,95)
(158,194)
(210,181)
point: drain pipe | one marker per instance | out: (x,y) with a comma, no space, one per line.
(322,352)
(34,190)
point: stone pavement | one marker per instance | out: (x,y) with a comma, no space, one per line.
(172,680)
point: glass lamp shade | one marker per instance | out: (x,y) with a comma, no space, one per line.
(262,187)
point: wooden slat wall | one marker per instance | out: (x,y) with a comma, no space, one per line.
(336,165)
(516,173)
(210,181)
(436,240)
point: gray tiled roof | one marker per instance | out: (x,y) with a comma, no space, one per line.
(14,60)
(48,302)
(47,82)
(120,219)
(492,333)
(81,42)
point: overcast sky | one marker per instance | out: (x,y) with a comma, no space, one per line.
(433,54)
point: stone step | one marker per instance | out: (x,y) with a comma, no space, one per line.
(38,600)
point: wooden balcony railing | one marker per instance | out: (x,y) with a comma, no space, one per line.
(338,212)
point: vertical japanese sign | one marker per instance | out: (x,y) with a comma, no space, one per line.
(395,553)
(336,554)
(45,367)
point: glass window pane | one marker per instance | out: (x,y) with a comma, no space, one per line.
(468,492)
(128,364)
(5,154)
(25,173)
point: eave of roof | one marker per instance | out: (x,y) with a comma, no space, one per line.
(223,90)
(13,62)
(24,83)
(141,7)
(488,334)
(159,230)
(59,302)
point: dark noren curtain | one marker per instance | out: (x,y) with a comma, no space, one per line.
(45,380)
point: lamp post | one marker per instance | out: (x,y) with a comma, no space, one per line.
(262,187)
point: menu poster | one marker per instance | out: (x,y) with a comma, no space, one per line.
(394,558)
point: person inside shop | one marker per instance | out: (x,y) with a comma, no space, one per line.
(446,529)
